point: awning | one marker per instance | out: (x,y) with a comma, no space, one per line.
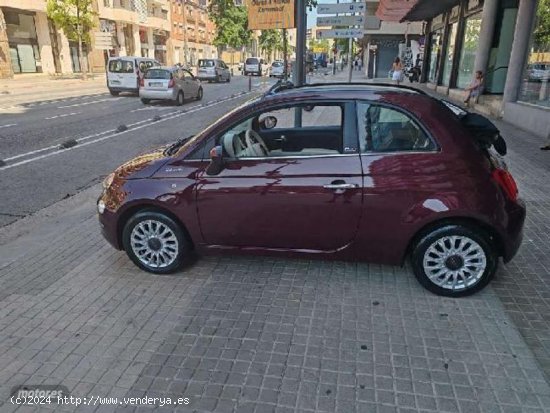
(412,10)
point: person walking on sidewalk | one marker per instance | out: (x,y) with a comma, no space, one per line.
(546,147)
(397,68)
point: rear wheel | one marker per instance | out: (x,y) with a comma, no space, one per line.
(454,260)
(180,99)
(113,92)
(155,242)
(219,79)
(228,78)
(145,101)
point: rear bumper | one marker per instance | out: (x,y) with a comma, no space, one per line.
(207,76)
(513,236)
(122,89)
(169,94)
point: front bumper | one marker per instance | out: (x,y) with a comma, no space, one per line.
(108,222)
(169,94)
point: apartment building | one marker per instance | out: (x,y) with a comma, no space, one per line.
(192,32)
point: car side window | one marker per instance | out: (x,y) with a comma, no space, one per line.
(188,74)
(386,129)
(274,133)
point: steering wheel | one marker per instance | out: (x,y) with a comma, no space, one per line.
(252,137)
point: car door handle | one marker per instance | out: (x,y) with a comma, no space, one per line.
(282,138)
(340,186)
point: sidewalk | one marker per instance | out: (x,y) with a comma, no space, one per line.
(25,89)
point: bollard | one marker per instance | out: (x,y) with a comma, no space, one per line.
(249,83)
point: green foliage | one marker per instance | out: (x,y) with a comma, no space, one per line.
(270,41)
(542,28)
(74,17)
(231,23)
(320,44)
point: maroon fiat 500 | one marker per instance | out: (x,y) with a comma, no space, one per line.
(358,172)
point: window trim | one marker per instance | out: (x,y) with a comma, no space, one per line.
(370,151)
(345,105)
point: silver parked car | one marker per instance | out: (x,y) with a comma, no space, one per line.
(169,83)
(213,70)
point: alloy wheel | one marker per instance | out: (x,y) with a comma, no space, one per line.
(154,243)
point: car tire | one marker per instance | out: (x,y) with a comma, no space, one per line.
(180,99)
(199,94)
(145,101)
(114,92)
(219,79)
(228,79)
(472,260)
(174,246)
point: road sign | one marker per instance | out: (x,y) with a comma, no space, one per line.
(103,41)
(341,21)
(341,8)
(339,33)
(262,16)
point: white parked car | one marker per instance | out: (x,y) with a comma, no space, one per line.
(125,72)
(277,69)
(169,83)
(253,65)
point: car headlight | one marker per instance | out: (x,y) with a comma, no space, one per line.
(108,180)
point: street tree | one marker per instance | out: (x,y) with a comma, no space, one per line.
(76,19)
(542,28)
(270,41)
(231,24)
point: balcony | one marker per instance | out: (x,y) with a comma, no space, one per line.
(32,5)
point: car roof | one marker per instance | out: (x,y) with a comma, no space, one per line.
(335,89)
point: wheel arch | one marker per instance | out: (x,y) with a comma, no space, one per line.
(133,210)
(469,222)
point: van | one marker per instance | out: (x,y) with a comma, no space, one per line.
(213,70)
(125,72)
(253,65)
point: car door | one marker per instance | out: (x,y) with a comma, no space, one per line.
(311,202)
(191,84)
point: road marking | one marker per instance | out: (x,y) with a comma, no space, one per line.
(8,125)
(88,103)
(152,108)
(63,116)
(168,116)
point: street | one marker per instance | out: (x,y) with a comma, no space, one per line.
(36,173)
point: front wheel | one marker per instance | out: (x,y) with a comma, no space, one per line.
(113,92)
(454,260)
(180,99)
(155,242)
(199,94)
(145,101)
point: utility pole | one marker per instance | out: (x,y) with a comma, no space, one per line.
(335,49)
(285,55)
(299,70)
(350,55)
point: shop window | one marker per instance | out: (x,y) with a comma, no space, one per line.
(435,54)
(536,75)
(470,43)
(448,58)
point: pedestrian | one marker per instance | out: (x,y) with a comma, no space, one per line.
(474,89)
(360,61)
(397,68)
(546,147)
(356,63)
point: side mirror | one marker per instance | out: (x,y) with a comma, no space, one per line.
(216,161)
(269,122)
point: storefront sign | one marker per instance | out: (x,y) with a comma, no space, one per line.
(270,14)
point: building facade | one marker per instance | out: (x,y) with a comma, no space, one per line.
(160,29)
(192,32)
(502,38)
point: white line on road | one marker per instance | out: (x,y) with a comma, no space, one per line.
(64,115)
(88,103)
(168,116)
(8,125)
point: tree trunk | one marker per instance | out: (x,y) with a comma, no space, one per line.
(81,60)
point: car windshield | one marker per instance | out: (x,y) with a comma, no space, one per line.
(277,64)
(251,61)
(206,63)
(158,74)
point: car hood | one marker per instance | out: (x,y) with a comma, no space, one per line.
(142,166)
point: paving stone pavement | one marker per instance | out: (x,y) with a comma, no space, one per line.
(239,334)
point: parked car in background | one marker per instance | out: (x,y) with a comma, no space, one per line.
(213,70)
(538,71)
(277,69)
(373,173)
(125,72)
(253,66)
(169,83)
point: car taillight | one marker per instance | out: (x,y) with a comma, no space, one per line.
(141,82)
(506,182)
(171,83)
